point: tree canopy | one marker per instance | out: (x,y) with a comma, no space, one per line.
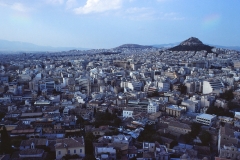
(227,95)
(149,134)
(5,146)
(219,111)
(205,137)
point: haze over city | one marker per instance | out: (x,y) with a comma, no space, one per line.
(110,23)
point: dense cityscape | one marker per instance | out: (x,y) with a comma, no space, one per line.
(131,102)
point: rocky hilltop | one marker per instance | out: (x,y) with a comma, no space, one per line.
(192,44)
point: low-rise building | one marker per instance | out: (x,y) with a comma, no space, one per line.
(229,152)
(225,119)
(206,119)
(175,110)
(32,153)
(70,146)
(152,107)
(128,112)
(178,127)
(105,153)
(226,140)
(192,104)
(37,142)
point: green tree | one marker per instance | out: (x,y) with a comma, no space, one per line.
(195,129)
(89,138)
(103,116)
(107,110)
(89,157)
(5,142)
(69,64)
(94,111)
(153,94)
(80,120)
(2,115)
(68,156)
(173,143)
(233,105)
(55,92)
(227,95)
(39,92)
(219,111)
(183,89)
(117,121)
(205,137)
(113,132)
(149,134)
(187,138)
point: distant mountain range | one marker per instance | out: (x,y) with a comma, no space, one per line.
(237,48)
(15,46)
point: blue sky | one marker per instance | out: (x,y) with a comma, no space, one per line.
(110,23)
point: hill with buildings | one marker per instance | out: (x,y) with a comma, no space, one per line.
(127,48)
(167,45)
(133,46)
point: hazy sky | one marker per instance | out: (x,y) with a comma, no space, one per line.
(110,23)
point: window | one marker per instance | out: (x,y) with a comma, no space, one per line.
(74,150)
(59,152)
(80,150)
(68,151)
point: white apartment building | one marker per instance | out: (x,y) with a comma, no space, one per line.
(206,101)
(164,85)
(105,153)
(152,107)
(192,105)
(194,86)
(212,86)
(85,85)
(128,112)
(80,97)
(206,119)
(133,85)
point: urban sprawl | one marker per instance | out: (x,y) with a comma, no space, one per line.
(128,103)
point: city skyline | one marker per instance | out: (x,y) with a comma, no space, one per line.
(110,23)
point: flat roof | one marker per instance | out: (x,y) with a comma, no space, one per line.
(31,114)
(175,107)
(237,113)
(42,102)
(128,109)
(206,116)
